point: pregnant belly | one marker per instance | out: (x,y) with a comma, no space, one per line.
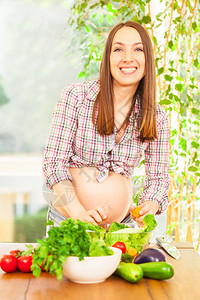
(114,193)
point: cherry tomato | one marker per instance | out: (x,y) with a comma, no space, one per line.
(132,251)
(121,246)
(135,212)
(24,263)
(42,267)
(8,263)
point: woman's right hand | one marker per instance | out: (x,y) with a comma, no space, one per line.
(95,216)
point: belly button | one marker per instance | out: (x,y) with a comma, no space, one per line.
(106,208)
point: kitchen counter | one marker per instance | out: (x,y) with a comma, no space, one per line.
(184,285)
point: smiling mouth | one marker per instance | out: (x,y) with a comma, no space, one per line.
(128,70)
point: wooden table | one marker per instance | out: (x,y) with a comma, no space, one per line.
(184,285)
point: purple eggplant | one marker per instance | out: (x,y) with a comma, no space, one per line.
(150,255)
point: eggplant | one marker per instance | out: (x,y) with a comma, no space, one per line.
(150,255)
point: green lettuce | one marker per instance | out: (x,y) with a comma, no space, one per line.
(92,227)
(134,238)
(149,223)
(99,248)
(117,226)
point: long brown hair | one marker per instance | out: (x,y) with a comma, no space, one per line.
(146,90)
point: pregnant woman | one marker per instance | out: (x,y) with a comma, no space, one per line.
(100,130)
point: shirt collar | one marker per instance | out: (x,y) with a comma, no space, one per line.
(93,90)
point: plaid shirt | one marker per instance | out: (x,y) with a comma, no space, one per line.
(75,142)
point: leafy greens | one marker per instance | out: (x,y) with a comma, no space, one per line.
(77,238)
(131,237)
(71,238)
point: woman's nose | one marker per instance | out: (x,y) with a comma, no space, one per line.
(128,56)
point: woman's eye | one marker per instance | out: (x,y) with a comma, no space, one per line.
(117,49)
(139,49)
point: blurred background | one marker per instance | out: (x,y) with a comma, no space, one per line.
(46,45)
(35,64)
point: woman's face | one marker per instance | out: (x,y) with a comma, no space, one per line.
(127,60)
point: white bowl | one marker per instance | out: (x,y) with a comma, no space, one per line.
(92,269)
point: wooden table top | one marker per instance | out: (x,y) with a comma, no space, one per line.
(184,285)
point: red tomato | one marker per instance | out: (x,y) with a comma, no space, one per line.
(8,263)
(42,267)
(24,263)
(121,246)
(16,253)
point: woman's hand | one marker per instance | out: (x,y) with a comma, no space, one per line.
(95,216)
(147,207)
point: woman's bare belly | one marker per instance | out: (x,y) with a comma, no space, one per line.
(114,193)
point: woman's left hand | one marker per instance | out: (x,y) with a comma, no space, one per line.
(147,207)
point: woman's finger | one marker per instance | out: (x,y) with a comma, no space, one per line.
(89,219)
(95,215)
(101,212)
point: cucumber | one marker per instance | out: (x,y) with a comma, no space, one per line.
(159,270)
(129,271)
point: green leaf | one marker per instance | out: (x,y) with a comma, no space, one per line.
(146,19)
(168,77)
(174,132)
(100,20)
(81,74)
(179,78)
(194,25)
(183,144)
(189,98)
(155,40)
(149,223)
(170,44)
(195,145)
(111,8)
(184,173)
(3,98)
(36,270)
(180,87)
(87,29)
(49,222)
(196,63)
(94,5)
(172,141)
(136,196)
(192,86)
(165,102)
(194,157)
(192,169)
(182,154)
(176,98)
(168,89)
(160,71)
(172,70)
(182,111)
(195,111)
